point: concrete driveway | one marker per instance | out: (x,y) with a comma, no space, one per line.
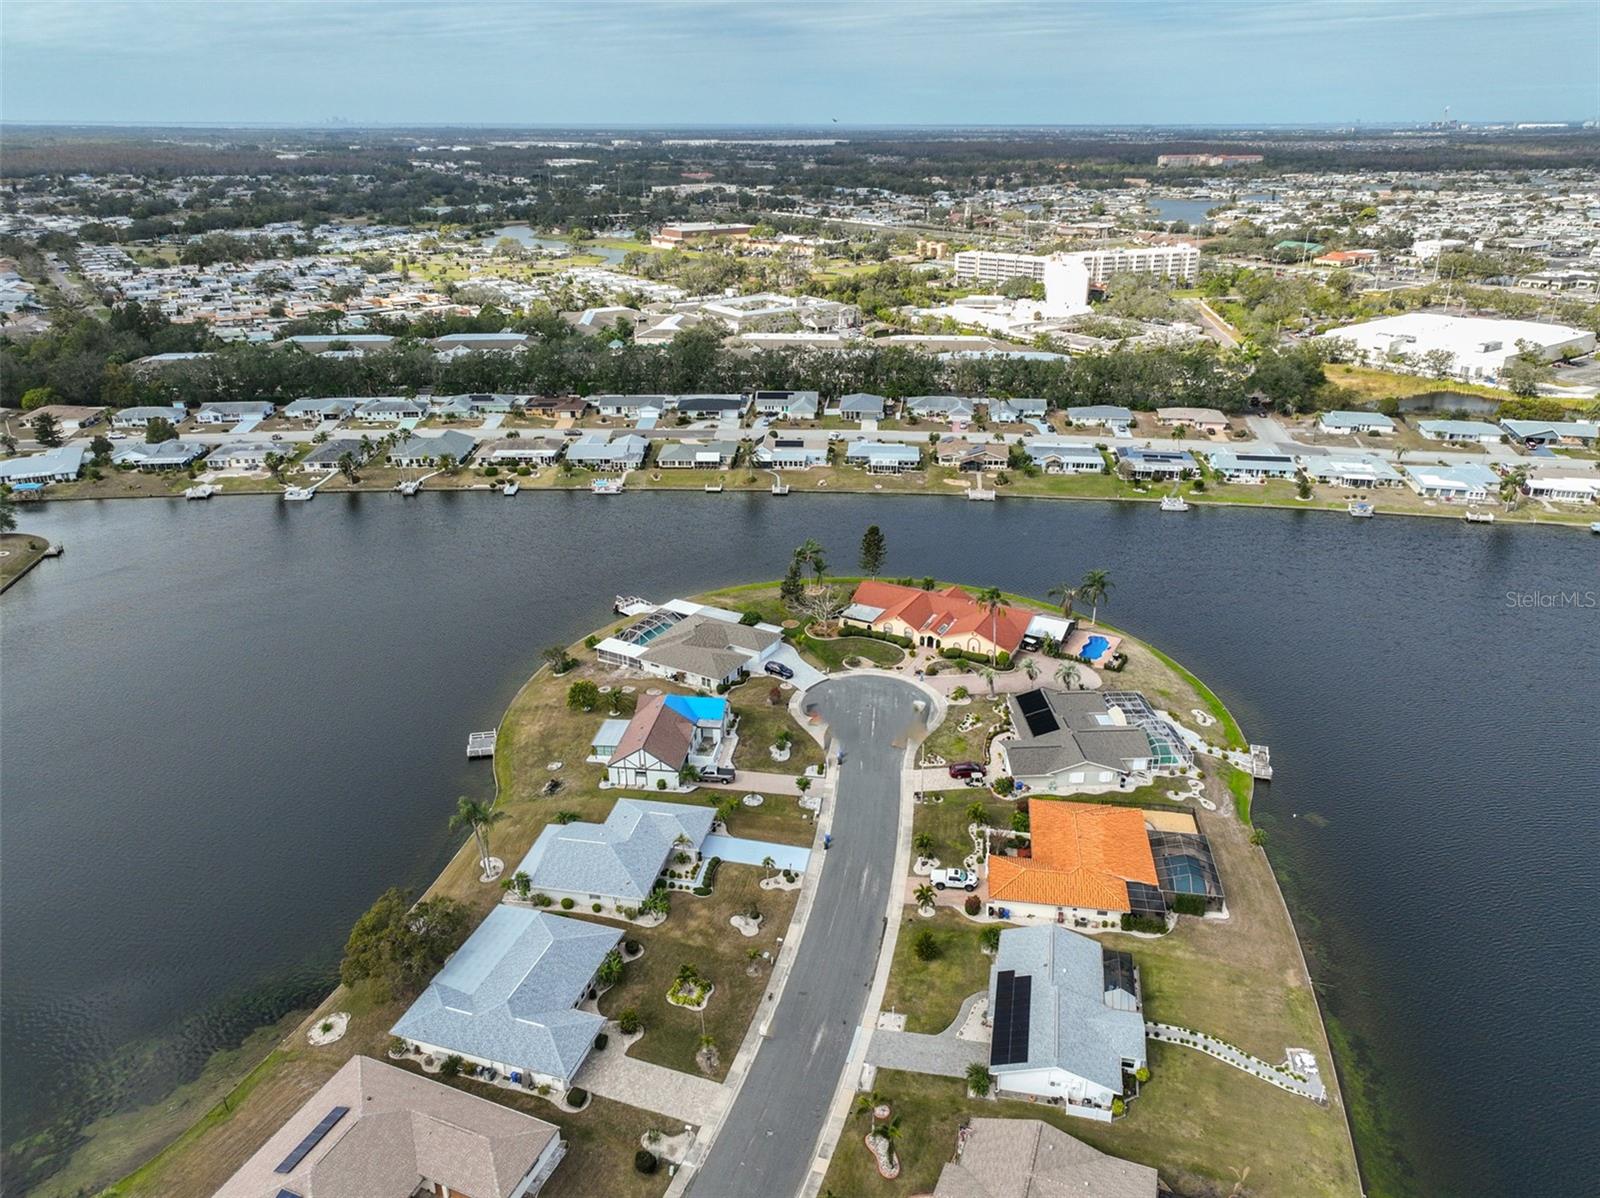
(766,1143)
(806,675)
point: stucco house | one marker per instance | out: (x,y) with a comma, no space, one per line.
(1064,457)
(419,450)
(233,411)
(617,863)
(1118,421)
(1067,1019)
(1355,422)
(1065,742)
(948,619)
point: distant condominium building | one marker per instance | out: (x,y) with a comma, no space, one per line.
(1207,159)
(1180,261)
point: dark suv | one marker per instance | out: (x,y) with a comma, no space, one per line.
(778,670)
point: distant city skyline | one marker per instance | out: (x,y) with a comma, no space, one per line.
(730,62)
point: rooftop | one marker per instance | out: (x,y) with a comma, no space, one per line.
(1084,855)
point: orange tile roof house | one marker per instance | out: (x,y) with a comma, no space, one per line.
(1088,860)
(948,619)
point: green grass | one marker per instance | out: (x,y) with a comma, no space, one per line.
(930,993)
(947,822)
(832,651)
(1219,711)
(760,723)
(1241,785)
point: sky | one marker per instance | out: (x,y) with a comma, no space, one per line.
(797,62)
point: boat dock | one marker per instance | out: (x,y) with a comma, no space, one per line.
(1261,762)
(481,744)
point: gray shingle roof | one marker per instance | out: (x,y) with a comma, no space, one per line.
(619,859)
(509,993)
(1071,1026)
(1027,1158)
(1084,732)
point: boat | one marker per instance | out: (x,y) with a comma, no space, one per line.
(713,488)
(1472,517)
(298,494)
(410,487)
(510,488)
(606,486)
(201,491)
(1174,503)
(1360,507)
(1595,527)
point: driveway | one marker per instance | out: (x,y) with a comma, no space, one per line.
(806,675)
(611,1073)
(767,1141)
(753,852)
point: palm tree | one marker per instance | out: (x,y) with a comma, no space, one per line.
(811,554)
(1068,595)
(926,896)
(868,1104)
(988,676)
(923,843)
(347,467)
(480,817)
(1511,487)
(993,599)
(1030,669)
(1068,673)
(890,1132)
(1095,587)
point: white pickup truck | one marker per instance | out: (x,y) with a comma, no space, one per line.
(954,879)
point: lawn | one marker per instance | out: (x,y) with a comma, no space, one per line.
(698,933)
(930,993)
(831,652)
(760,724)
(949,742)
(947,822)
(21,552)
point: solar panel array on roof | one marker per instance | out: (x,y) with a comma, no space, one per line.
(1013,1001)
(1036,711)
(312,1139)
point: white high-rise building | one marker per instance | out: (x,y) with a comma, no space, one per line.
(1180,262)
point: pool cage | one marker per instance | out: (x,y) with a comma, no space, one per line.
(1168,750)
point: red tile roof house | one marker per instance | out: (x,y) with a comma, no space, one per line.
(948,619)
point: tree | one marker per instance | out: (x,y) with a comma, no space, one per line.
(101,449)
(1525,373)
(159,429)
(610,971)
(275,462)
(1068,674)
(347,467)
(402,946)
(1030,668)
(926,896)
(37,397)
(1511,487)
(46,430)
(926,946)
(1095,587)
(873,550)
(994,600)
(479,817)
(978,1079)
(1258,836)
(8,514)
(448,464)
(868,1104)
(582,695)
(558,659)
(924,844)
(978,814)
(811,554)
(889,1133)
(793,588)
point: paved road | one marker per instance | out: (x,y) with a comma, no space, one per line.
(767,1141)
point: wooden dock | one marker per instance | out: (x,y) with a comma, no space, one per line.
(481,744)
(1261,762)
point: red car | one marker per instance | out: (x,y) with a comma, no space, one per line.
(966,770)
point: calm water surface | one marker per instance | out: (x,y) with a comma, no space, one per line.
(228,726)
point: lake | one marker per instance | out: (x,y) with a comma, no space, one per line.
(526,236)
(228,726)
(1193,211)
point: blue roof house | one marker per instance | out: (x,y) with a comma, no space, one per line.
(508,997)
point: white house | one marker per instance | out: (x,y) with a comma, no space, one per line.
(1252,467)
(1358,470)
(880,457)
(697,645)
(140,417)
(1563,483)
(233,412)
(1355,422)
(1064,457)
(240,455)
(59,465)
(791,451)
(1116,420)
(1470,483)
(391,410)
(418,450)
(316,410)
(666,734)
(1067,1020)
(1478,431)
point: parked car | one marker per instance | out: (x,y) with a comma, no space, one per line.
(778,670)
(954,879)
(966,771)
(277,436)
(716,773)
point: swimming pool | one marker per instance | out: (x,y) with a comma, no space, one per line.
(1095,647)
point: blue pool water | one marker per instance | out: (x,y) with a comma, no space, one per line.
(1094,647)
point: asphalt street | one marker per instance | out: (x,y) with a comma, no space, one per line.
(768,1138)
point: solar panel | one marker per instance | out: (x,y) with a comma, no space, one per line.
(1036,711)
(1013,1001)
(312,1139)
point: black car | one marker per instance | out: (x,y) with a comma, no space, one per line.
(778,670)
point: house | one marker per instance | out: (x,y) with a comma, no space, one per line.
(786,405)
(1471,483)
(1207,421)
(521,451)
(481,403)
(666,734)
(602,452)
(1068,1020)
(951,451)
(948,619)
(964,455)
(473,342)
(233,412)
(71,419)
(1072,741)
(1017,410)
(1064,457)
(508,998)
(631,407)
(1534,433)
(572,408)
(702,646)
(375,1131)
(140,417)
(1252,467)
(392,410)
(1090,863)
(860,406)
(697,455)
(1562,483)
(1460,430)
(1028,1158)
(939,407)
(617,863)
(879,457)
(58,465)
(317,410)
(1156,465)
(325,457)
(241,455)
(1355,422)
(165,455)
(791,451)
(419,450)
(1358,470)
(1118,421)
(703,407)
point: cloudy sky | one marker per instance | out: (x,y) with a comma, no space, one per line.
(791,62)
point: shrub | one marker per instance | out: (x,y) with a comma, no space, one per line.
(1004,786)
(960,692)
(628,1022)
(524,471)
(1002,660)
(990,938)
(567,904)
(1141,1075)
(978,1079)
(1143,923)
(490,471)
(1189,904)
(577,1097)
(661,784)
(1117,1108)
(632,947)
(590,641)
(926,946)
(701,891)
(973,905)
(600,1042)
(750,618)
(451,1067)
(595,907)
(644,1161)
